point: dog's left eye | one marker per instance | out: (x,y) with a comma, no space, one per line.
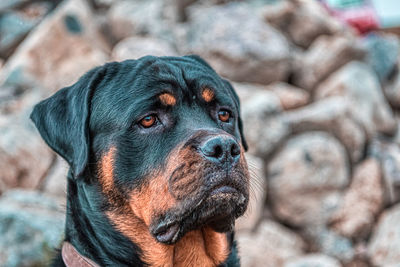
(148,121)
(224,115)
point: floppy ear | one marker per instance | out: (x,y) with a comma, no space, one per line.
(240,122)
(63,120)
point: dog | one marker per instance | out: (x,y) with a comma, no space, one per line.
(157,169)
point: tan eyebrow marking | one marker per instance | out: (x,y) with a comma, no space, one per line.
(167,99)
(208,94)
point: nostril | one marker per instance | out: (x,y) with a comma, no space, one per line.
(218,151)
(235,150)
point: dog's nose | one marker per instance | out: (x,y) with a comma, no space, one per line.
(221,149)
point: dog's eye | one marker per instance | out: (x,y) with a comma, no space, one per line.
(224,115)
(148,121)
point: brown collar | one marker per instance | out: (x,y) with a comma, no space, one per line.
(72,258)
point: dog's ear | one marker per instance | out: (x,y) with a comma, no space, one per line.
(240,122)
(63,120)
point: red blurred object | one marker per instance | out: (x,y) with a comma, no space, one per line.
(363,17)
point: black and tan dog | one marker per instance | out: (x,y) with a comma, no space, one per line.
(158,174)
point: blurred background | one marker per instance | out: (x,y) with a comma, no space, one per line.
(319,84)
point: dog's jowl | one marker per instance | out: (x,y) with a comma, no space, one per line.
(157,169)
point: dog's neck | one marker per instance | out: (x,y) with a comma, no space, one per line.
(92,234)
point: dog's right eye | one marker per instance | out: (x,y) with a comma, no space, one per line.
(148,121)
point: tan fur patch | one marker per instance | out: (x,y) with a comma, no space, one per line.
(107,171)
(168,99)
(208,94)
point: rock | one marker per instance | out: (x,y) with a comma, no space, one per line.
(316,64)
(313,260)
(55,183)
(384,247)
(263,129)
(136,47)
(361,203)
(243,47)
(290,96)
(63,47)
(332,115)
(258,193)
(359,84)
(382,53)
(330,243)
(312,169)
(24,157)
(388,154)
(31,227)
(392,91)
(271,245)
(129,18)
(302,21)
(14,26)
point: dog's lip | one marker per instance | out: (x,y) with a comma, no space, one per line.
(223,189)
(167,233)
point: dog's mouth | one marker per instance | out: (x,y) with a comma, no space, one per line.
(218,209)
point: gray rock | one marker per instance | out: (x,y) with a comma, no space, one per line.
(128,18)
(330,243)
(55,183)
(258,194)
(392,91)
(291,97)
(60,49)
(31,226)
(384,246)
(271,245)
(263,128)
(313,260)
(382,53)
(359,85)
(243,47)
(361,203)
(24,157)
(313,66)
(312,169)
(332,115)
(136,47)
(388,154)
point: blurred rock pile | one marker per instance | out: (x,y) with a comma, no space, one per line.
(320,107)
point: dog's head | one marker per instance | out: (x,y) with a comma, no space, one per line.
(161,138)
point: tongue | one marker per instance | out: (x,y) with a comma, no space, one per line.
(169,234)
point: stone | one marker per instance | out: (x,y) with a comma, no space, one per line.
(263,129)
(313,260)
(128,18)
(31,228)
(392,91)
(316,64)
(332,115)
(136,47)
(55,183)
(291,97)
(382,53)
(330,243)
(312,168)
(388,153)
(62,47)
(258,194)
(358,83)
(243,47)
(384,245)
(361,203)
(271,245)
(24,157)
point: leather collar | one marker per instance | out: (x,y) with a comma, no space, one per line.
(72,258)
